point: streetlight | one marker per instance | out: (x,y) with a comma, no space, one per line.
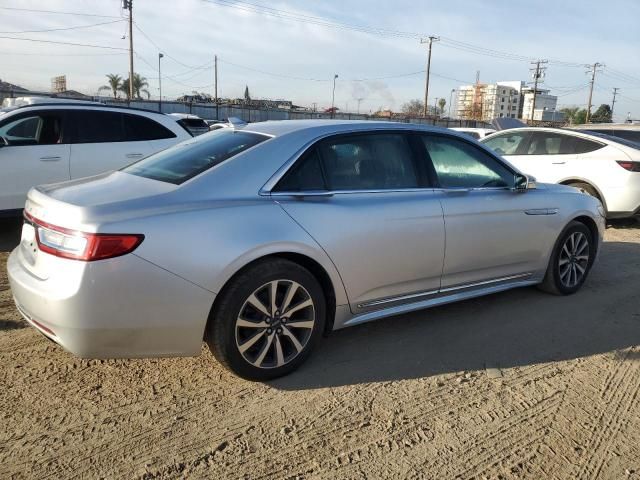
(160,55)
(333,96)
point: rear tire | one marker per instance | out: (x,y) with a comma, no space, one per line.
(571,260)
(267,320)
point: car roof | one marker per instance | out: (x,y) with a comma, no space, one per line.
(81,105)
(277,128)
(597,137)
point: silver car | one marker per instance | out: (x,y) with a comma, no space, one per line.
(259,240)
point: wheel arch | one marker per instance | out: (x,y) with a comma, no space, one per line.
(570,180)
(330,286)
(592,226)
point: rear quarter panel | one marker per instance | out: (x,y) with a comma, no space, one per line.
(207,246)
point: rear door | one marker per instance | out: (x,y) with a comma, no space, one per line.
(37,153)
(101,142)
(363,198)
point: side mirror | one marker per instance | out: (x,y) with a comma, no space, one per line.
(523,183)
(3,142)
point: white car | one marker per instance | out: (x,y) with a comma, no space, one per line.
(476,133)
(605,167)
(53,142)
(192,123)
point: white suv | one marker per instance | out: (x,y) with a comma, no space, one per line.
(605,167)
(53,142)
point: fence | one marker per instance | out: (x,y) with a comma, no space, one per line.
(249,114)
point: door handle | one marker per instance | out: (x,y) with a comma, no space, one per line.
(134,155)
(49,159)
(559,163)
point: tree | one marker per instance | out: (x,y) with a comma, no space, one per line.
(247,97)
(575,115)
(413,108)
(114,83)
(602,114)
(140,85)
(580,117)
(441,103)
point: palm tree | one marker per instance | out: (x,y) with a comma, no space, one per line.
(114,84)
(441,103)
(140,85)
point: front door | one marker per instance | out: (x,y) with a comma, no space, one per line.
(493,233)
(36,153)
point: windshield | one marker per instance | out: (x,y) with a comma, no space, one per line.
(186,160)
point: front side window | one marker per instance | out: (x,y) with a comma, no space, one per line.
(306,175)
(41,129)
(186,160)
(368,162)
(459,164)
(507,143)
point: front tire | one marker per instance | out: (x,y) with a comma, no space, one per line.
(570,261)
(268,320)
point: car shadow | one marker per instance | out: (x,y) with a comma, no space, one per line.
(516,328)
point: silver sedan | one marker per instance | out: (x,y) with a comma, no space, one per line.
(260,239)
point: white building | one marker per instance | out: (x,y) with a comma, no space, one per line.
(488,101)
(546,105)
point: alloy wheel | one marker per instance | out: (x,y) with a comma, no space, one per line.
(574,259)
(275,324)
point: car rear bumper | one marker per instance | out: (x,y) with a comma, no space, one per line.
(123,307)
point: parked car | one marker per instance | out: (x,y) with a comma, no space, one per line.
(260,239)
(52,142)
(191,123)
(476,133)
(605,167)
(231,122)
(628,131)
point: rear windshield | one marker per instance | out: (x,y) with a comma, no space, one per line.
(186,160)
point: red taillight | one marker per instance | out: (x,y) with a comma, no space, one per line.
(628,165)
(88,247)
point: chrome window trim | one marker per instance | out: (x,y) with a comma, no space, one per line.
(267,188)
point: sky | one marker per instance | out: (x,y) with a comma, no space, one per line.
(291,49)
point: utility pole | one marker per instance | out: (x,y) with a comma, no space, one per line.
(538,76)
(613,102)
(430,41)
(333,96)
(359,100)
(215,84)
(451,100)
(160,55)
(128,5)
(593,69)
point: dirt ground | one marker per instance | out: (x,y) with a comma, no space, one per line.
(515,385)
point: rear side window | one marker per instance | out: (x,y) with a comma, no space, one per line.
(582,145)
(186,160)
(305,175)
(140,128)
(98,127)
(368,162)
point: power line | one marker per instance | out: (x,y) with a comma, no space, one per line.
(61,54)
(56,12)
(77,27)
(63,43)
(279,75)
